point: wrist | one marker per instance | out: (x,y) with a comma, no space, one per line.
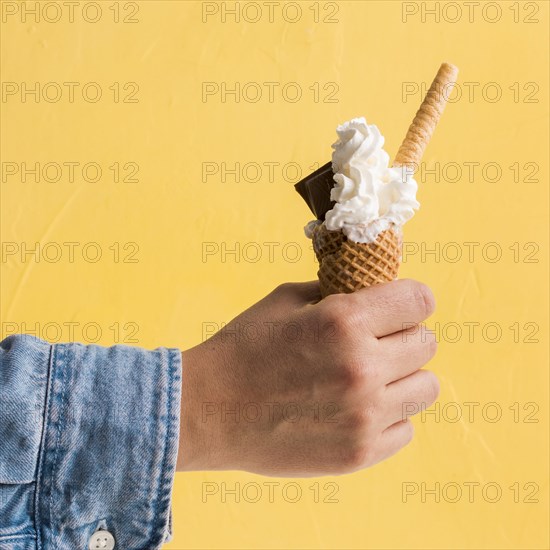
(189,416)
(200,446)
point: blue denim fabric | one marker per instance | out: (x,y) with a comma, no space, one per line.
(88,440)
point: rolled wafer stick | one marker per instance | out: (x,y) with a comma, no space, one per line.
(424,123)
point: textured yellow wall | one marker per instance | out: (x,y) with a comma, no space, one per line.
(166,228)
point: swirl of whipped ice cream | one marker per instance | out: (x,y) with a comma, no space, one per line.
(370,195)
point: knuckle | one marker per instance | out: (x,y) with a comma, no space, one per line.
(431,387)
(334,314)
(360,420)
(282,288)
(411,333)
(408,432)
(331,306)
(352,376)
(430,342)
(359,376)
(357,456)
(373,375)
(424,298)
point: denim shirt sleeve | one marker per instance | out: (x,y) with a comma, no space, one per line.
(88,441)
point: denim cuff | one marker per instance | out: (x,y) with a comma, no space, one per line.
(106,446)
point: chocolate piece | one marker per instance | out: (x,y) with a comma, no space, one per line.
(315,190)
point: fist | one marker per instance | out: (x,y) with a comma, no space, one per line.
(298,386)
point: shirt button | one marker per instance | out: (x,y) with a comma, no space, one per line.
(101,539)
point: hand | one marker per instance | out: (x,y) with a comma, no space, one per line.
(295,386)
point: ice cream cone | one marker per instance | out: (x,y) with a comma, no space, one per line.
(346,266)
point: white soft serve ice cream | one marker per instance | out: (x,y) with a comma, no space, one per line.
(370,195)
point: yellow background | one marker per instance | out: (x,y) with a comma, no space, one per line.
(170,293)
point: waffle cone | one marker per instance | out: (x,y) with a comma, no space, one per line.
(346,266)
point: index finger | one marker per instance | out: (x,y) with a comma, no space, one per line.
(392,307)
